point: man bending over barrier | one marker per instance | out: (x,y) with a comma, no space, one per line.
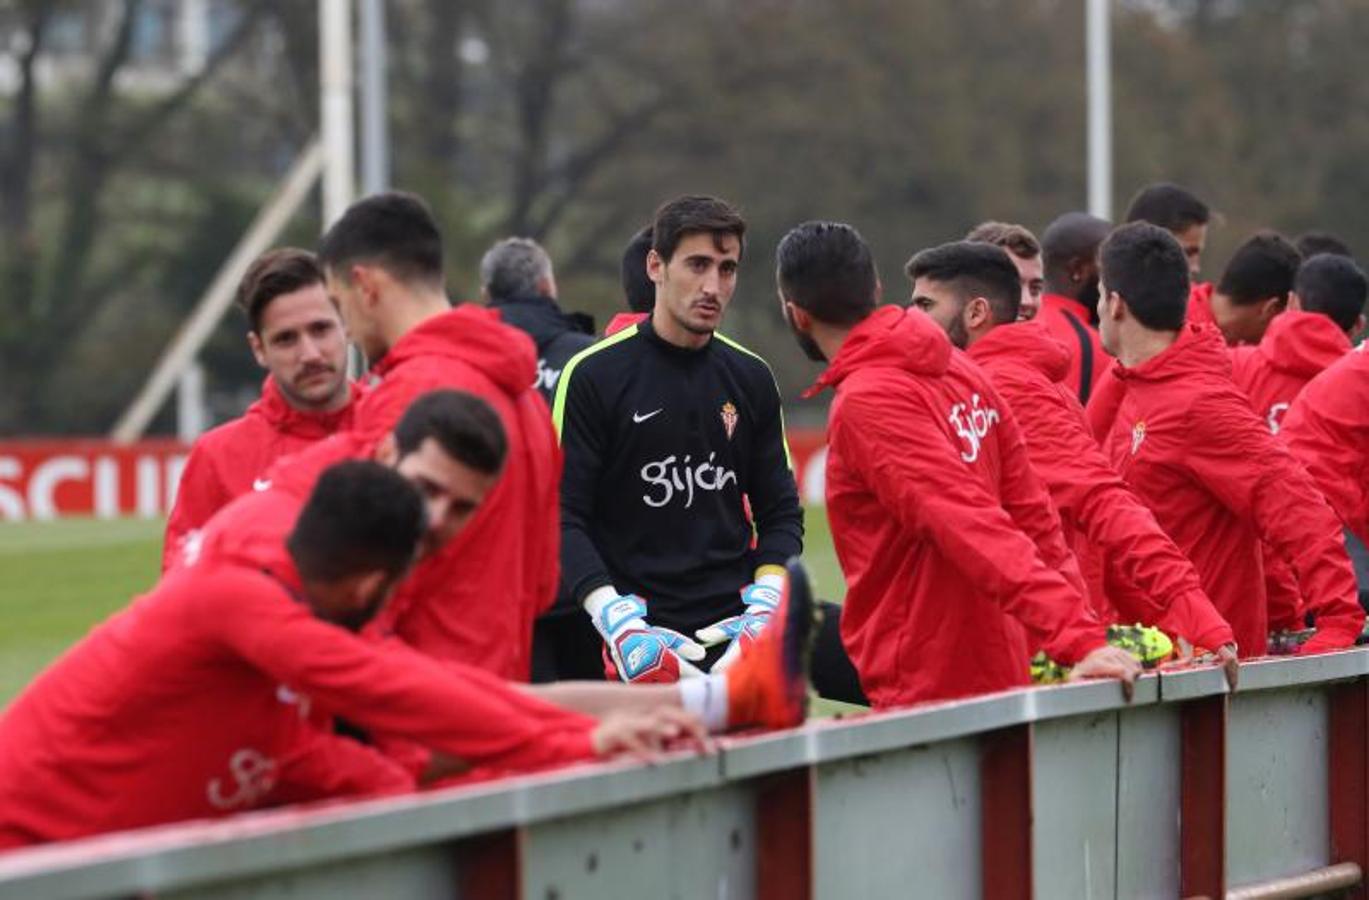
(211,694)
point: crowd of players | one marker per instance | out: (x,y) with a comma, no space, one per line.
(515,545)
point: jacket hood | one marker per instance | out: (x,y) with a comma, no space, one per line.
(1028,343)
(1303,343)
(1200,350)
(894,338)
(477,337)
(540,318)
(624,320)
(275,409)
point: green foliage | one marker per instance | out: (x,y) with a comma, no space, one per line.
(570,121)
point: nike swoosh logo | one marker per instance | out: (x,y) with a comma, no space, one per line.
(261,484)
(638,418)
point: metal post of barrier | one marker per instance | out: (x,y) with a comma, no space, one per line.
(1005,768)
(784,836)
(1348,776)
(490,867)
(1202,791)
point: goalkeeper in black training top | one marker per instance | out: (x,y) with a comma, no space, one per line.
(678,503)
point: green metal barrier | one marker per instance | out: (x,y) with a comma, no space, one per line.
(1055,792)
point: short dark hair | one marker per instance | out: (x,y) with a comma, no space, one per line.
(1145,265)
(1264,266)
(1069,238)
(638,287)
(1016,239)
(973,269)
(1311,243)
(1170,206)
(1333,285)
(393,230)
(695,214)
(467,428)
(360,517)
(827,270)
(274,273)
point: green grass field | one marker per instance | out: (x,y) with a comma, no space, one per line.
(60,578)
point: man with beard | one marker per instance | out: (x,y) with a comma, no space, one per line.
(194,701)
(1068,253)
(296,334)
(952,551)
(1134,571)
(668,427)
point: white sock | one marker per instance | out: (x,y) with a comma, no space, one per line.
(706,698)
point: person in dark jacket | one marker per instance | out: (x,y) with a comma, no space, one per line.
(516,278)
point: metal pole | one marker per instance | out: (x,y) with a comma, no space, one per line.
(196,330)
(375,134)
(335,86)
(1099,108)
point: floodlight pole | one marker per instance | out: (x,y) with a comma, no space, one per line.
(1099,53)
(375,136)
(335,87)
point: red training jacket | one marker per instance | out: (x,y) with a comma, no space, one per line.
(948,541)
(475,600)
(1200,304)
(1107,393)
(226,460)
(1328,431)
(1111,531)
(1187,442)
(1297,347)
(195,701)
(1071,323)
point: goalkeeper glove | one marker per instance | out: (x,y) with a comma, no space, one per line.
(761,599)
(640,652)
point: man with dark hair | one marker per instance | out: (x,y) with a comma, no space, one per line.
(1025,252)
(638,289)
(516,278)
(451,446)
(666,427)
(1069,250)
(1313,243)
(1180,212)
(950,547)
(1254,287)
(1187,441)
(195,701)
(1122,550)
(1325,309)
(383,265)
(296,334)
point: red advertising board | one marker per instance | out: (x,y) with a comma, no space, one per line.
(53,479)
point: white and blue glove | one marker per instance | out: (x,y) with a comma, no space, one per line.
(640,652)
(762,601)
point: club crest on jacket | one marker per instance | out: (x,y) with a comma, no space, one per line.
(729,417)
(1138,434)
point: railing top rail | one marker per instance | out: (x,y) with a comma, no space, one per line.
(191,853)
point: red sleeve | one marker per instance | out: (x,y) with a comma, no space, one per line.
(931,494)
(1104,403)
(200,494)
(1234,455)
(326,765)
(1149,579)
(387,688)
(1027,501)
(1332,444)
